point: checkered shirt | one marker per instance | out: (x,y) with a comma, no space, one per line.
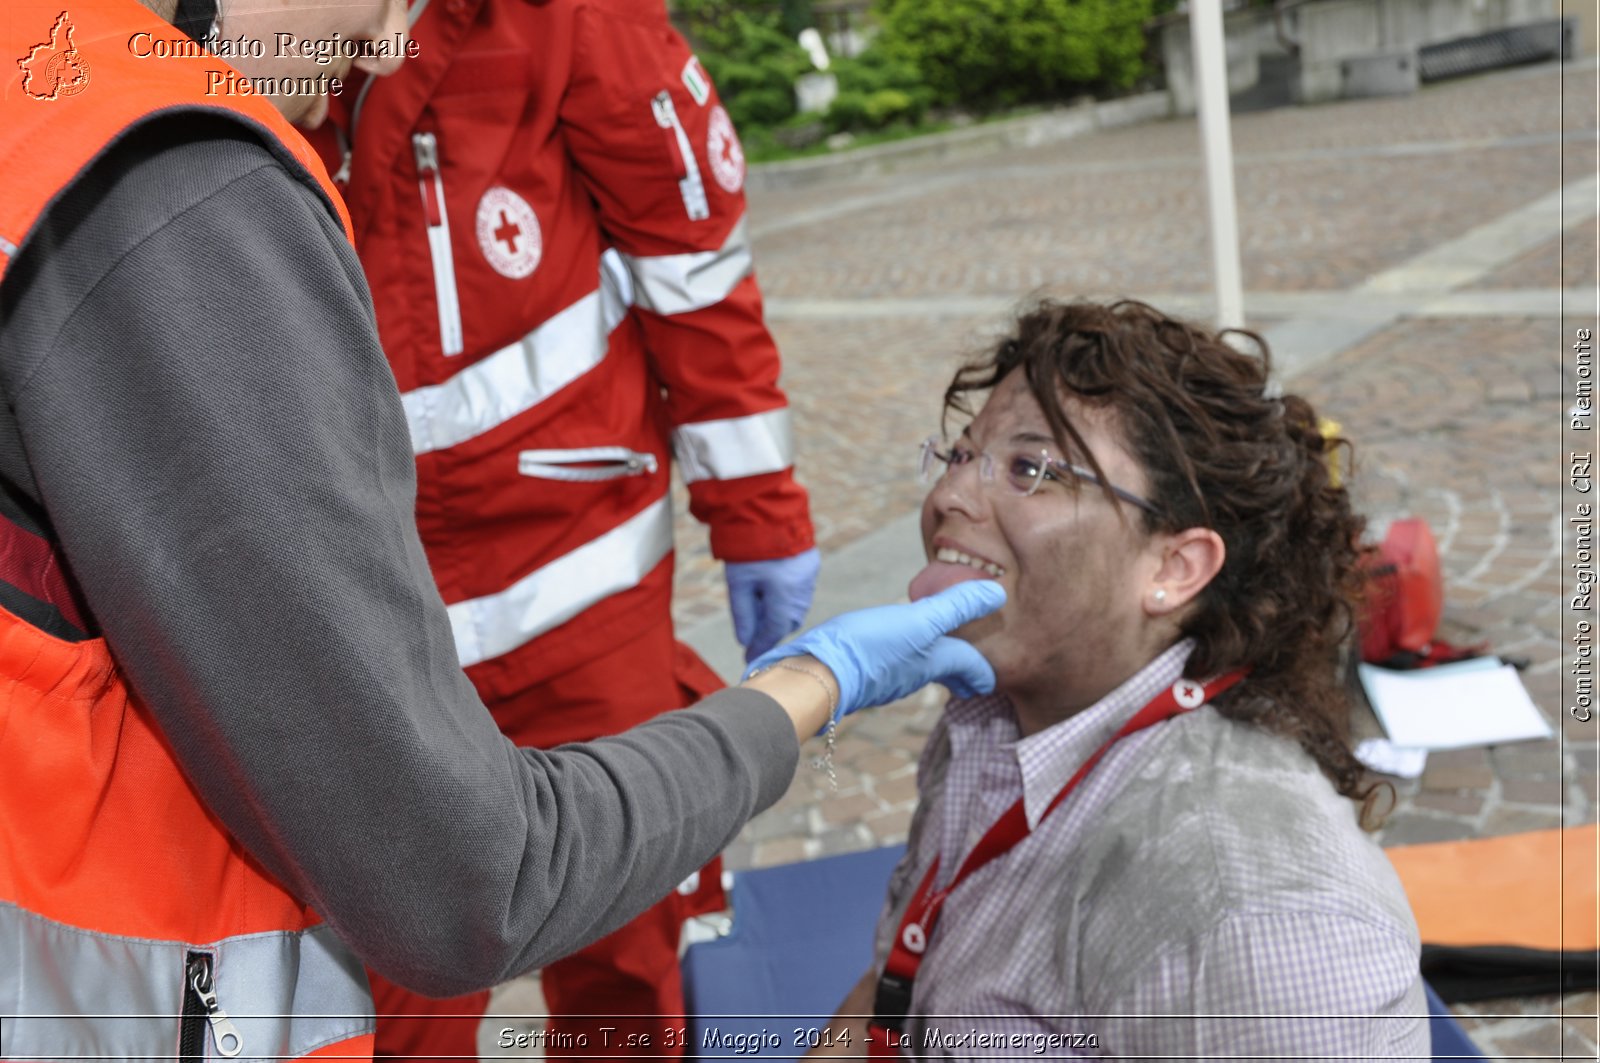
(1203,894)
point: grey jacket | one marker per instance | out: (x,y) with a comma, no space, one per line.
(197,409)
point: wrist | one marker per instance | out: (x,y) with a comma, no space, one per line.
(805,687)
(782,673)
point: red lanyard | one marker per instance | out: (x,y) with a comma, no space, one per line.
(922,915)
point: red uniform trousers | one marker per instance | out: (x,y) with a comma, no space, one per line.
(633,971)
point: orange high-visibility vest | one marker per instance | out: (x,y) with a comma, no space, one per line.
(132,924)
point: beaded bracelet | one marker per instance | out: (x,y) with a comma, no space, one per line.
(824,762)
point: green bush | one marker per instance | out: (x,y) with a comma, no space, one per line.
(860,111)
(998,53)
(971,54)
(875,69)
(796,15)
(763,105)
(753,62)
(847,112)
(887,106)
(877,90)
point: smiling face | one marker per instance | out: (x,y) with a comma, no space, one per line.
(1078,573)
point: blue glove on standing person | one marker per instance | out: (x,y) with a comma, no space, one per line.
(883,654)
(769,599)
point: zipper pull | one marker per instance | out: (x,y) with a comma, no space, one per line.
(666,114)
(425,147)
(223,1031)
(430,181)
(667,118)
(685,169)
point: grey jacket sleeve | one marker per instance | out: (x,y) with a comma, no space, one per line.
(210,426)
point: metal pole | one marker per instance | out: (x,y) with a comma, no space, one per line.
(1216,141)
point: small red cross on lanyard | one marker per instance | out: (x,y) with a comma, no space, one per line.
(911,940)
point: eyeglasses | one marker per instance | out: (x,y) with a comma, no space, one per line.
(1025,470)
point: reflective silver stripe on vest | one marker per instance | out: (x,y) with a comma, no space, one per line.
(498,623)
(69,993)
(677,284)
(738,446)
(518,377)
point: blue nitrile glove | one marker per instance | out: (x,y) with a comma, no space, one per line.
(883,654)
(769,599)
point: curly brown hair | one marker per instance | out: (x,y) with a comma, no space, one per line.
(1219,451)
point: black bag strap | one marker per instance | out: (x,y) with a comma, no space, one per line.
(1484,972)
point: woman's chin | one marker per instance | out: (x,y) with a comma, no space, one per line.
(986,634)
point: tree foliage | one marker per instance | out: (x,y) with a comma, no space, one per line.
(976,55)
(997,53)
(753,61)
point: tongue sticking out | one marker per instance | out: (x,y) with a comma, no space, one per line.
(939,575)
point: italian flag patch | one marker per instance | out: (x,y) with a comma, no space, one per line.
(694,79)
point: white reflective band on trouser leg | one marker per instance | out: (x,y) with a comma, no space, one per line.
(76,993)
(735,447)
(678,284)
(519,376)
(498,623)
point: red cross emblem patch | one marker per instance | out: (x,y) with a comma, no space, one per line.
(725,151)
(508,233)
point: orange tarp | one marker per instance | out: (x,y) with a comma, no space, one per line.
(1539,890)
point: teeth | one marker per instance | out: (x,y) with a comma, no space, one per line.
(952,556)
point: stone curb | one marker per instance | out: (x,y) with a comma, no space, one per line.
(990,138)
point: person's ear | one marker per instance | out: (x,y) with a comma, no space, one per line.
(1190,560)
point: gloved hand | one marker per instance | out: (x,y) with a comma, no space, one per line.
(883,654)
(769,599)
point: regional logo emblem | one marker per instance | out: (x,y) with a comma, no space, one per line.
(725,151)
(508,233)
(56,68)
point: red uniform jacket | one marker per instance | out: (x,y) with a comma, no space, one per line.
(548,202)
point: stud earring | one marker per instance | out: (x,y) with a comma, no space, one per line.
(1160,595)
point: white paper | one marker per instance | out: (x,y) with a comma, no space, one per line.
(1386,758)
(1454,707)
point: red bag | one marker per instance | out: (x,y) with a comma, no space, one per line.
(1405,597)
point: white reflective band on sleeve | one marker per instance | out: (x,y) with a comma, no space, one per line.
(677,284)
(547,597)
(736,447)
(69,993)
(518,377)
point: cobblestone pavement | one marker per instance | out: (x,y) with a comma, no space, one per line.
(1455,417)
